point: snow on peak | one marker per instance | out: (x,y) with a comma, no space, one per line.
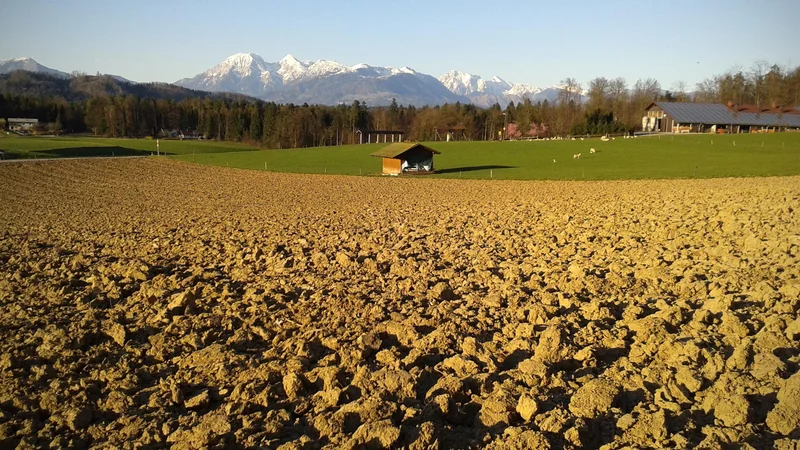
(461,83)
(289,59)
(323,68)
(404,69)
(487,91)
(243,64)
(495,86)
(523,90)
(291,68)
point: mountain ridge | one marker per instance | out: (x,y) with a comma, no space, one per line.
(292,80)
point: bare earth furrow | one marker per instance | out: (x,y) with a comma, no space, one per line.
(145,302)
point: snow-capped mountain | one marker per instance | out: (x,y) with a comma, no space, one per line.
(292,80)
(242,73)
(322,81)
(486,93)
(29,65)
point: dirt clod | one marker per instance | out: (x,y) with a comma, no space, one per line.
(594,398)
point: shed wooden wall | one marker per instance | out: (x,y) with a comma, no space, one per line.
(391,165)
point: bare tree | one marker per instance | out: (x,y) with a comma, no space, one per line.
(775,85)
(679,87)
(599,90)
(707,91)
(569,104)
(618,92)
(757,74)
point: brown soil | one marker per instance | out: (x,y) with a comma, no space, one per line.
(148,303)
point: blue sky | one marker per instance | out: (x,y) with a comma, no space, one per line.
(533,42)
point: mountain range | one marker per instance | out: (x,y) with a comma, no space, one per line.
(329,82)
(29,65)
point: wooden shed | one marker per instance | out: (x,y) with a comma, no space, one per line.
(406,158)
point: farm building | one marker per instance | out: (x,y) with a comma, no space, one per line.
(22,124)
(668,117)
(406,158)
(388,135)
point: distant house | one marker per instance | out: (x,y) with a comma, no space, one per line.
(406,158)
(22,124)
(189,134)
(676,117)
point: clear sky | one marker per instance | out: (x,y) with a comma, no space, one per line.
(532,42)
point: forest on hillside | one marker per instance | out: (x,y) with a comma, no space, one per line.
(107,107)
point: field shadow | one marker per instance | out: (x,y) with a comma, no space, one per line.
(473,168)
(75,152)
(84,152)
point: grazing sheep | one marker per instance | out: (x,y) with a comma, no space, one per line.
(576,156)
(604,139)
(591,150)
(581,138)
(613,139)
(554,160)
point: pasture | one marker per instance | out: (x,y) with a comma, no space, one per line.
(30,147)
(654,157)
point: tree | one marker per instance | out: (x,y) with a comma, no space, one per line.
(758,73)
(706,91)
(599,90)
(679,88)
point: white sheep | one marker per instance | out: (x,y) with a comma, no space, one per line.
(591,150)
(576,156)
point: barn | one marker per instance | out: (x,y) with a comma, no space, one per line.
(667,117)
(22,124)
(406,157)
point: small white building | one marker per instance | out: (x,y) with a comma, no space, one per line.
(22,124)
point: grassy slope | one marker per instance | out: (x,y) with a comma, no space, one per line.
(64,147)
(687,156)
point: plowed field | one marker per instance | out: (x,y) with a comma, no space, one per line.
(149,303)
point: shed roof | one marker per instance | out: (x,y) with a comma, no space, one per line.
(397,149)
(717,113)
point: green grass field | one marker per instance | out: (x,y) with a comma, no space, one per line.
(71,147)
(667,156)
(682,156)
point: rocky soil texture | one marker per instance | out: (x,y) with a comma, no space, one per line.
(148,303)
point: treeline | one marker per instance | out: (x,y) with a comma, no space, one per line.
(609,106)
